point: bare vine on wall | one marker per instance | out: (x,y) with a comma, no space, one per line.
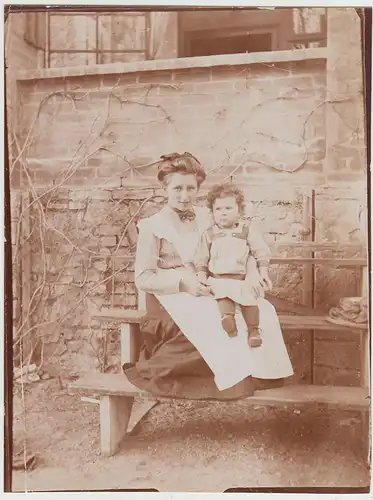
(47,236)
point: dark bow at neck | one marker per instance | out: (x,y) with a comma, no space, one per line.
(185,214)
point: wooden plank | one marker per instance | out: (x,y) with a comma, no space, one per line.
(309,277)
(119,315)
(288,322)
(318,247)
(364,336)
(118,385)
(277,259)
(365,358)
(336,397)
(115,384)
(364,287)
(320,261)
(141,300)
(115,412)
(139,410)
(94,401)
(308,270)
(129,342)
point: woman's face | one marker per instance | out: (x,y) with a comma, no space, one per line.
(181,190)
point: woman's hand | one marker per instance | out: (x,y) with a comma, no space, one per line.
(202,278)
(265,280)
(190,284)
(257,289)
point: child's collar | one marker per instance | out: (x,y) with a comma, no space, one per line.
(237,225)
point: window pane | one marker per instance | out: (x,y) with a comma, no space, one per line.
(122,32)
(60,60)
(113,57)
(72,32)
(308,20)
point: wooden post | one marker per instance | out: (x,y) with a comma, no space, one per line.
(115,412)
(365,371)
(129,343)
(308,282)
(364,336)
(130,336)
(307,289)
(141,301)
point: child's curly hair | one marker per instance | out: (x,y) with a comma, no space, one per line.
(223,191)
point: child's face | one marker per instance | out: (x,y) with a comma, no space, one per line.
(226,211)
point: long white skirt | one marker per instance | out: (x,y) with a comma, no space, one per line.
(230,359)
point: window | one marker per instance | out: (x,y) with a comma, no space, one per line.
(309,27)
(86,38)
(250,30)
(91,38)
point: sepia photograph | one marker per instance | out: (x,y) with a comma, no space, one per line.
(186,248)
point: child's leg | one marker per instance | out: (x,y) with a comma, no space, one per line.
(251,317)
(227,310)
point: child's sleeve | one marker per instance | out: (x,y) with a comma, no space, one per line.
(258,247)
(202,256)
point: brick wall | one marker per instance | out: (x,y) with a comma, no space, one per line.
(92,143)
(231,117)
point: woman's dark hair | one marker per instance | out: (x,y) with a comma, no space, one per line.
(223,191)
(184,163)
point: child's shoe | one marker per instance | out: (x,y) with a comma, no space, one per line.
(228,322)
(255,338)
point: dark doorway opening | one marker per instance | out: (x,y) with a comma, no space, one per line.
(210,45)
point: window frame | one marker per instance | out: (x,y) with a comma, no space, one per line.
(34,22)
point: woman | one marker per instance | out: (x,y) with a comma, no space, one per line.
(186,352)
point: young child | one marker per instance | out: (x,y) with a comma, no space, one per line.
(222,261)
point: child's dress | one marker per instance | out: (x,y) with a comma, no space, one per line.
(231,257)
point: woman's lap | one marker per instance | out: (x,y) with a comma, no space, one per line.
(231,359)
(170,364)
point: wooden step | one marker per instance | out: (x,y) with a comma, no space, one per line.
(110,384)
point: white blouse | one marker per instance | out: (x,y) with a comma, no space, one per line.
(165,244)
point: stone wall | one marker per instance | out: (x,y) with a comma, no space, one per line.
(92,137)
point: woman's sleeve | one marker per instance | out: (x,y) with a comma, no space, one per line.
(202,256)
(147,276)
